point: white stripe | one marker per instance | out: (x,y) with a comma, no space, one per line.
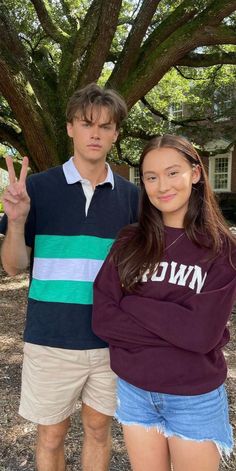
(66,269)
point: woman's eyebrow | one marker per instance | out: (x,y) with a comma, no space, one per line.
(167,168)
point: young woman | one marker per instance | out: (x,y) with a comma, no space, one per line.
(162,300)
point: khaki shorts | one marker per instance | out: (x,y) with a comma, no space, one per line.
(53,379)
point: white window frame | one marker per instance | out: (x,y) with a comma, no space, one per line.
(212,161)
(134,175)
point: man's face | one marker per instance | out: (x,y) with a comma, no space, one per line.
(93,135)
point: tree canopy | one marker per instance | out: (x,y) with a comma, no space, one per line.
(48,48)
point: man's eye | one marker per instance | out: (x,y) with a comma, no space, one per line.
(173,174)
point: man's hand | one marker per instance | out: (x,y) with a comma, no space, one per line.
(16,201)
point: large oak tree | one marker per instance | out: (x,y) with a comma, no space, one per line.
(48,48)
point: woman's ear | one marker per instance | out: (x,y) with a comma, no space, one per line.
(196,175)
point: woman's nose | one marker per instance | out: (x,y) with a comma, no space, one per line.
(163,183)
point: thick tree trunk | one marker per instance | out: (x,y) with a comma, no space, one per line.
(39,69)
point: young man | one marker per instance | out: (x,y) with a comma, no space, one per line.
(65,220)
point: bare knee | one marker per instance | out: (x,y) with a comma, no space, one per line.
(97,426)
(52,437)
(100,434)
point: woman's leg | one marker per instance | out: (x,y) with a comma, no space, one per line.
(192,455)
(147,449)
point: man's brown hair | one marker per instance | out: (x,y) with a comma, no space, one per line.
(84,100)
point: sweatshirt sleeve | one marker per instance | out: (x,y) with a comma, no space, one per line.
(109,321)
(196,325)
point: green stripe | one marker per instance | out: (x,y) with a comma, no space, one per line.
(72,292)
(54,246)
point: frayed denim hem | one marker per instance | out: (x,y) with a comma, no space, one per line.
(224,450)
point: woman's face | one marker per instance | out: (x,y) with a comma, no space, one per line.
(168,179)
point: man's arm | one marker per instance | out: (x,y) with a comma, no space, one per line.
(15,254)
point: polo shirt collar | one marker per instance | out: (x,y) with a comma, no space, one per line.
(72,175)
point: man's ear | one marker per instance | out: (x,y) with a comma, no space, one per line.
(116,134)
(69,128)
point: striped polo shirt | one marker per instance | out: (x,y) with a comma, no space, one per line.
(70,240)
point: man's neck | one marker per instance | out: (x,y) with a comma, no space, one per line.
(95,172)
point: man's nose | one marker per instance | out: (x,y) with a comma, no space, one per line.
(96,132)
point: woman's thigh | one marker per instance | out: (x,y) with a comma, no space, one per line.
(199,420)
(192,455)
(195,429)
(147,448)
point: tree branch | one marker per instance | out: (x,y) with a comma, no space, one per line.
(180,17)
(11,46)
(182,122)
(16,55)
(10,136)
(194,59)
(74,51)
(211,35)
(217,11)
(130,50)
(148,53)
(191,123)
(53,31)
(212,75)
(136,133)
(147,137)
(123,158)
(101,41)
(25,108)
(66,9)
(154,63)
(87,29)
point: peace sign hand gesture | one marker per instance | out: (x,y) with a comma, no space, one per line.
(16,201)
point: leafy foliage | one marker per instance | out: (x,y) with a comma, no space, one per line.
(158,54)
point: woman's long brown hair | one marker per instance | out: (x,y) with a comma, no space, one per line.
(141,246)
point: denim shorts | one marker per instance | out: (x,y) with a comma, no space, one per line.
(201,417)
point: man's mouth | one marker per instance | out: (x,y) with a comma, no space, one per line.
(94,146)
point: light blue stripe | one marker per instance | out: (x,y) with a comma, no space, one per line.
(66,269)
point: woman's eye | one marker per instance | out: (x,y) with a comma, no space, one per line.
(173,174)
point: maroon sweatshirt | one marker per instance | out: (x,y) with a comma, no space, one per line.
(168,337)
